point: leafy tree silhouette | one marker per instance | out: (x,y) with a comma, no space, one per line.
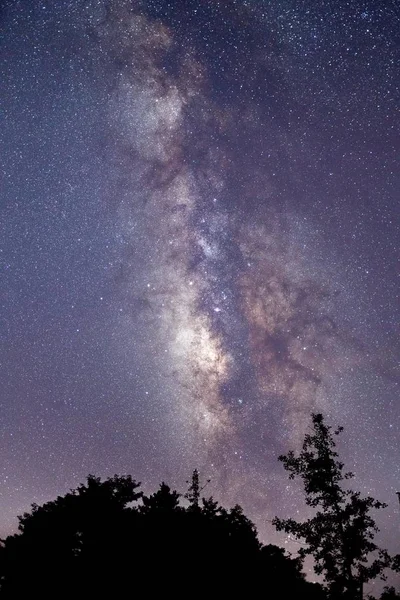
(69,540)
(340,536)
(106,538)
(285,577)
(164,501)
(389,593)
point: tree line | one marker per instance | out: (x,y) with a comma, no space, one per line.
(108,539)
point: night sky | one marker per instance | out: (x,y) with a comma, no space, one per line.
(199,228)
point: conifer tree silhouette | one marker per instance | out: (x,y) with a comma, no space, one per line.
(194,490)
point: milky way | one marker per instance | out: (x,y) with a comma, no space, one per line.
(199,243)
(240,317)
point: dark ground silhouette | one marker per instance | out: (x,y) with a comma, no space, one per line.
(107,539)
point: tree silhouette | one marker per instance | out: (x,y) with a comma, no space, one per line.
(285,577)
(106,538)
(194,491)
(162,501)
(340,536)
(389,593)
(69,539)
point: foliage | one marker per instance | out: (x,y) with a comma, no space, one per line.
(389,593)
(107,538)
(102,538)
(340,536)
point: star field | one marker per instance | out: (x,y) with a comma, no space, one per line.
(199,232)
